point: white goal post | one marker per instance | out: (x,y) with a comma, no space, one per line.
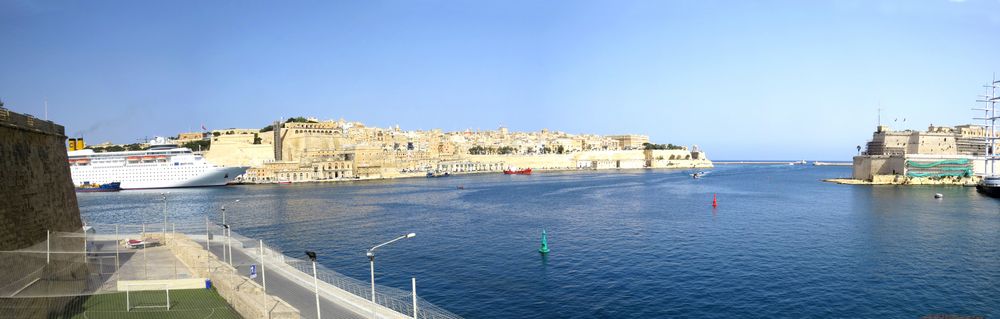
(145,296)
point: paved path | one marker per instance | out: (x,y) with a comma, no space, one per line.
(293,290)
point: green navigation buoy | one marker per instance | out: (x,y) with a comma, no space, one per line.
(545,244)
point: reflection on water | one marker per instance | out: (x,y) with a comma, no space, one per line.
(632,244)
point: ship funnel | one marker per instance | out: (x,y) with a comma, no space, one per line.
(75,144)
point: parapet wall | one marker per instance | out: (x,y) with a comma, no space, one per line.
(35,184)
(246,297)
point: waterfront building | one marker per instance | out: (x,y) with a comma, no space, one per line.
(630,141)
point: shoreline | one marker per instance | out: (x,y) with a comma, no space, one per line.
(424,174)
(900,180)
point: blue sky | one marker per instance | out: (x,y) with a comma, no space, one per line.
(742,79)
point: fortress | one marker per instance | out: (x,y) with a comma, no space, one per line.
(941,153)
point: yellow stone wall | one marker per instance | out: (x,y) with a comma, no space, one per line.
(238,150)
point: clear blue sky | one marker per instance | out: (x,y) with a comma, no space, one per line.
(742,79)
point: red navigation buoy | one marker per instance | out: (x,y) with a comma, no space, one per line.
(715,201)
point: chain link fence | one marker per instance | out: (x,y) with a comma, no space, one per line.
(240,252)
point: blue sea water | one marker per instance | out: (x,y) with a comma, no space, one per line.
(630,244)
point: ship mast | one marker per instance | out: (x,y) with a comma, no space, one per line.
(989,120)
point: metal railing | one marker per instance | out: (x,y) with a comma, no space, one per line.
(398,300)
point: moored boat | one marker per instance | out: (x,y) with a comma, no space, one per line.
(87,187)
(438,174)
(526,171)
(990,184)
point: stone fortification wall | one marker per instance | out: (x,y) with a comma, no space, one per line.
(866,167)
(239,150)
(36,196)
(35,181)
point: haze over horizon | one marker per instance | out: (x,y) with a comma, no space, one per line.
(760,80)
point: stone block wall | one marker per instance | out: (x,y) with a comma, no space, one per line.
(36,196)
(35,185)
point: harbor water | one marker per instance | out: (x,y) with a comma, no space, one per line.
(628,244)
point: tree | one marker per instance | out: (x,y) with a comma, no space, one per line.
(201,145)
(560,149)
(298,119)
(651,146)
(477,150)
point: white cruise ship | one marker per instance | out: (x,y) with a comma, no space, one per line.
(162,166)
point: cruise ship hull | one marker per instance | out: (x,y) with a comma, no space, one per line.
(219,177)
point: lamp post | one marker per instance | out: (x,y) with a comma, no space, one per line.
(229,243)
(312,256)
(224,223)
(371,259)
(163,196)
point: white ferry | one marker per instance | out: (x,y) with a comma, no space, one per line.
(161,166)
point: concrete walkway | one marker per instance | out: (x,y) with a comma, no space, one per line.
(152,263)
(292,289)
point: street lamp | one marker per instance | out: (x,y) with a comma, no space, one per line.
(229,244)
(312,256)
(224,222)
(163,196)
(224,211)
(371,259)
